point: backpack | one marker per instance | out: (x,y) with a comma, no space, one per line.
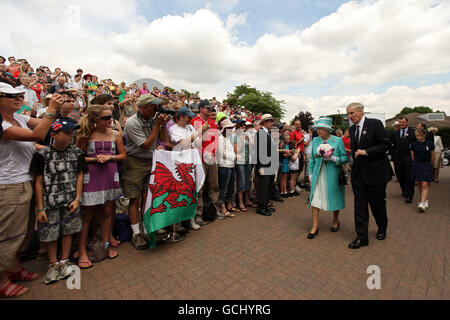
(122,227)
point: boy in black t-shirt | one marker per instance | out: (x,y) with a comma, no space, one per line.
(59,185)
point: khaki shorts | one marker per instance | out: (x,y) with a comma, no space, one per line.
(135,176)
(14,220)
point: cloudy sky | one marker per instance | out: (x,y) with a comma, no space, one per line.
(315,55)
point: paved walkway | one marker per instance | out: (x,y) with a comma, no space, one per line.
(256,257)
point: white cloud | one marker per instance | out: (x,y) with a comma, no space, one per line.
(436,96)
(234,20)
(362,44)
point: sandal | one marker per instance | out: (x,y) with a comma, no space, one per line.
(229,214)
(112,254)
(88,263)
(234,210)
(20,276)
(243,209)
(114,244)
(251,205)
(15,291)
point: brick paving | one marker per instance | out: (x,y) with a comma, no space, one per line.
(256,257)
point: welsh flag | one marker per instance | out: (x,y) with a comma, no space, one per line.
(176,178)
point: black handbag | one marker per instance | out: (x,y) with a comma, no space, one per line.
(342,177)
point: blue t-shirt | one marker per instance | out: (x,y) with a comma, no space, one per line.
(422,150)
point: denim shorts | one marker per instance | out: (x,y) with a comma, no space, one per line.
(244,177)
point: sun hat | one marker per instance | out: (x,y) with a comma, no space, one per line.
(227,124)
(146,99)
(396,123)
(248,123)
(324,122)
(266,117)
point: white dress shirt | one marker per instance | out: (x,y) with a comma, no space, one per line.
(360,125)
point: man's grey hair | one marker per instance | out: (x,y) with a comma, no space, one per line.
(358,106)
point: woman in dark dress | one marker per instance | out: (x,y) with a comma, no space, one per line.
(422,154)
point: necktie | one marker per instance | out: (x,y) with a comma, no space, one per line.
(403,133)
(357,134)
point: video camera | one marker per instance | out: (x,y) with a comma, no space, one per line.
(165,111)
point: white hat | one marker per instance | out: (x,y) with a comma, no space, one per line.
(227,124)
(9,89)
(396,123)
(266,117)
(248,123)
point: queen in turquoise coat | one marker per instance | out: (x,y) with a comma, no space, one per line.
(326,193)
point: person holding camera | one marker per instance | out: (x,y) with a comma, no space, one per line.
(142,131)
(127,107)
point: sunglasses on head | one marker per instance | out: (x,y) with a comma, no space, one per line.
(106,118)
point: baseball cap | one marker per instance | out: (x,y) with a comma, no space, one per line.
(185,111)
(62,124)
(9,89)
(147,99)
(240,121)
(204,104)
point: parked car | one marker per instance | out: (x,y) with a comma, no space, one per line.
(446,160)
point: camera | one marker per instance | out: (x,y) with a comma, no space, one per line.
(165,111)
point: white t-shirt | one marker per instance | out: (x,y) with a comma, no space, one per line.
(308,149)
(178,133)
(15,156)
(77,85)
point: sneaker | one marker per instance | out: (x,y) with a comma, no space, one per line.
(421,207)
(199,220)
(298,190)
(66,270)
(426,204)
(220,215)
(194,225)
(53,275)
(139,242)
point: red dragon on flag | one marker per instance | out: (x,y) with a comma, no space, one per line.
(165,182)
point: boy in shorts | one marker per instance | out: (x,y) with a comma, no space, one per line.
(58,171)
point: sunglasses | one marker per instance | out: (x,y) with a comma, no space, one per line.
(12,95)
(107,118)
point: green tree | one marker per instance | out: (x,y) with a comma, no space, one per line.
(417,109)
(256,101)
(305,118)
(338,120)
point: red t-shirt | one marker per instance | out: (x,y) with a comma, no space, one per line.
(347,145)
(297,136)
(37,88)
(210,136)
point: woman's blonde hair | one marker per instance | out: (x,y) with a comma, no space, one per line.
(87,121)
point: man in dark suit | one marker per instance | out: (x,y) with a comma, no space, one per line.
(371,172)
(400,141)
(267,164)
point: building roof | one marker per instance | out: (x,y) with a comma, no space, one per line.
(414,119)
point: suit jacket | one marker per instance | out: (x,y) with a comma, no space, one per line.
(266,152)
(400,147)
(374,168)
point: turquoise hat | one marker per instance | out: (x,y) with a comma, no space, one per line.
(324,122)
